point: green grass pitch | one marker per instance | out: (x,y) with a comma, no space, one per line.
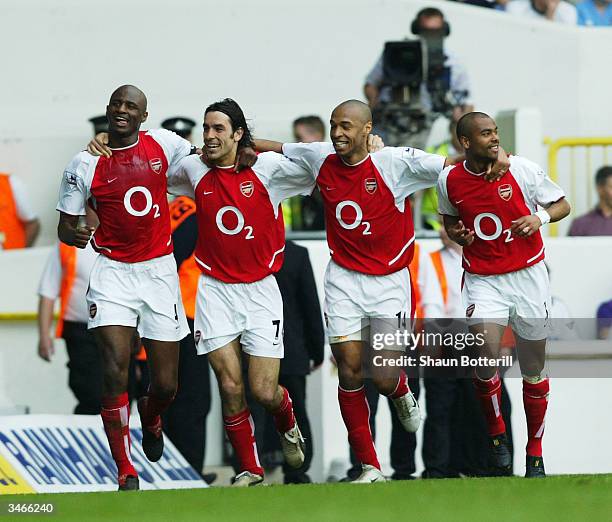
(556,499)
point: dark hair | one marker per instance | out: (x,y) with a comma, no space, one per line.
(233,111)
(602,175)
(464,125)
(313,122)
(429,12)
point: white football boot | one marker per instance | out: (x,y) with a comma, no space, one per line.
(245,479)
(369,474)
(408,412)
(292,444)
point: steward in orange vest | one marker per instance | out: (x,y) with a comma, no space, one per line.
(15,230)
(185,419)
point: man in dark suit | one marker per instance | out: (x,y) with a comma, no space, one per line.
(304,343)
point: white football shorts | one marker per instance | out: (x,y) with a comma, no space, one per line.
(521,299)
(251,311)
(356,301)
(145,295)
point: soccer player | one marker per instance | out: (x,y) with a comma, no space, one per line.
(370,234)
(505,277)
(241,239)
(134,283)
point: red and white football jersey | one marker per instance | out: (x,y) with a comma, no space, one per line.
(489,209)
(128,192)
(368,217)
(241,233)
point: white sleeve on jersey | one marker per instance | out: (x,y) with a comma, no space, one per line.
(175,147)
(183,178)
(407,170)
(282,177)
(25,212)
(308,155)
(445,207)
(536,185)
(76,183)
(51,277)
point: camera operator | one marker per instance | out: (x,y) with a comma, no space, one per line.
(409,90)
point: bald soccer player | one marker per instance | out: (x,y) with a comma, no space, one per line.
(370,234)
(134,282)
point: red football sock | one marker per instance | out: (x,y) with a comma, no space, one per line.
(284,418)
(535,402)
(115,417)
(402,387)
(489,393)
(356,415)
(150,408)
(240,431)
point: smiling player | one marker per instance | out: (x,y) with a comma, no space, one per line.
(505,276)
(134,283)
(370,234)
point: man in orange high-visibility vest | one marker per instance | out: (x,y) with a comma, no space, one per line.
(66,275)
(185,419)
(19,225)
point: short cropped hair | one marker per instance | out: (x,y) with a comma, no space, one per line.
(313,122)
(602,175)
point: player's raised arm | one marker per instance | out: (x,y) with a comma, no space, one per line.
(526,226)
(98,146)
(539,189)
(268,146)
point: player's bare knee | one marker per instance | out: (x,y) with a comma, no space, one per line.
(384,384)
(231,389)
(265,394)
(164,390)
(350,373)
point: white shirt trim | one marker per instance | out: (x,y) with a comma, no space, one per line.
(274,256)
(402,250)
(128,147)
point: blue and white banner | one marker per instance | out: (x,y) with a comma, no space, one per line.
(62,453)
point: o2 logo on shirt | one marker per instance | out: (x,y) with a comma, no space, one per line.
(499,229)
(127,202)
(358,217)
(240,226)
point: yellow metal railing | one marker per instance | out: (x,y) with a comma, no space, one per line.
(554,146)
(20,316)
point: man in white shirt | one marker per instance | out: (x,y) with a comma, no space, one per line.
(553,10)
(66,276)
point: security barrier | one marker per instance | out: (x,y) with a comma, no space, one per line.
(554,146)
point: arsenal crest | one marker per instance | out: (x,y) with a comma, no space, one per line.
(156,165)
(247,188)
(469,311)
(371,185)
(505,192)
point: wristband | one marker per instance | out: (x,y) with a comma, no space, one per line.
(544,216)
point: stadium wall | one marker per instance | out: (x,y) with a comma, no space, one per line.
(580,276)
(278,60)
